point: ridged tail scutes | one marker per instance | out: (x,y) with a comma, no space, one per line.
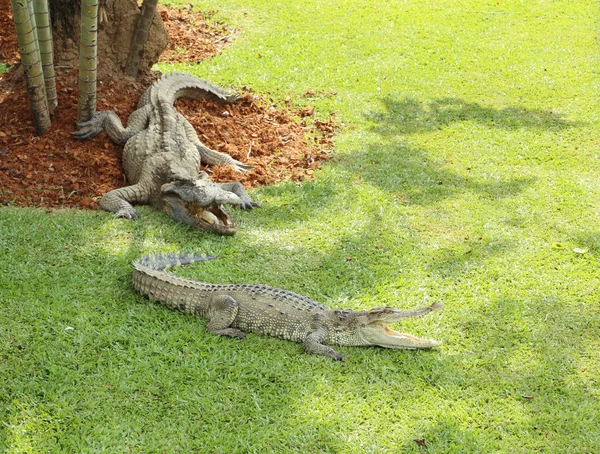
(162,261)
(182,85)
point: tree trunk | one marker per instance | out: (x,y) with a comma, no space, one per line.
(42,19)
(32,66)
(117,21)
(140,36)
(88,60)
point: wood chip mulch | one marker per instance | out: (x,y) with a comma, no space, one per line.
(56,170)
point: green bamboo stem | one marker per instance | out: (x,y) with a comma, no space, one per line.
(42,21)
(30,59)
(88,49)
(32,19)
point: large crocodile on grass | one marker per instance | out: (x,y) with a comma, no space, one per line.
(233,309)
(162,158)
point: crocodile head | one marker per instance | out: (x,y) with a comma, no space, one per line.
(199,203)
(367,328)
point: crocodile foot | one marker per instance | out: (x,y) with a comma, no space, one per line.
(248,203)
(91,128)
(240,167)
(231,332)
(127,213)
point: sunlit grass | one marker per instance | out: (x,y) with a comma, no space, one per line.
(466,172)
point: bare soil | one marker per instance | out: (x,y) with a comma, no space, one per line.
(56,170)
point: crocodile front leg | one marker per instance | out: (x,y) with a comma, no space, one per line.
(238,189)
(313,345)
(207,155)
(119,201)
(109,121)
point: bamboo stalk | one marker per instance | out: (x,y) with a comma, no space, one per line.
(88,51)
(42,21)
(30,59)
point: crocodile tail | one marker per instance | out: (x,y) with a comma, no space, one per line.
(186,86)
(173,86)
(160,262)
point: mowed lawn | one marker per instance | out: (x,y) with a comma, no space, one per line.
(466,171)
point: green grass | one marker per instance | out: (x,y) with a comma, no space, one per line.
(466,172)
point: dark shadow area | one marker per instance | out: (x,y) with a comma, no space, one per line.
(417,179)
(285,204)
(410,116)
(530,356)
(125,352)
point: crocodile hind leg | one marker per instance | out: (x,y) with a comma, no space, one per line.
(221,313)
(207,155)
(119,201)
(109,121)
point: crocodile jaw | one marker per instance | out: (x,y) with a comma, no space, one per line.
(383,336)
(199,204)
(212,218)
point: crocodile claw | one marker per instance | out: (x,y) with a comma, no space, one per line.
(127,213)
(84,134)
(248,204)
(241,167)
(234,97)
(91,128)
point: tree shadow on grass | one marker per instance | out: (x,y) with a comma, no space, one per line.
(418,179)
(525,359)
(150,364)
(410,116)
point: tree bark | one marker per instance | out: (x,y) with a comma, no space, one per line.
(88,52)
(42,20)
(140,36)
(32,66)
(117,21)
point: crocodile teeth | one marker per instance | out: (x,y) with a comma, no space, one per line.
(227,219)
(209,217)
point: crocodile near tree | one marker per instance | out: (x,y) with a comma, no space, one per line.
(162,158)
(233,309)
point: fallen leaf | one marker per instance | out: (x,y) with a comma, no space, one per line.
(558,246)
(421,442)
(580,251)
(306,112)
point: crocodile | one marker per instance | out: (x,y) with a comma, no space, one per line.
(233,309)
(162,157)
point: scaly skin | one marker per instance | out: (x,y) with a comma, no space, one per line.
(233,309)
(162,157)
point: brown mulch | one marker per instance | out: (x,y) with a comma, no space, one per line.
(56,170)
(9,51)
(193,34)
